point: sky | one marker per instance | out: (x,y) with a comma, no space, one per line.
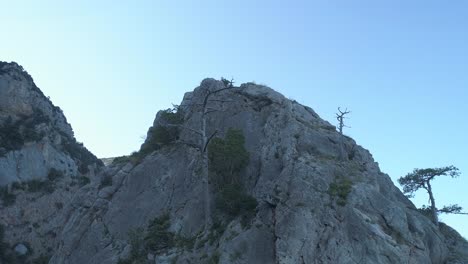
(399,66)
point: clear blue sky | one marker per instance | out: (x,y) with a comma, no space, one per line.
(400,66)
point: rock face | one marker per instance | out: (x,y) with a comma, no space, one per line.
(34,134)
(320,197)
(41,167)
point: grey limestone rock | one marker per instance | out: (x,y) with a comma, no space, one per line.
(34,134)
(21,249)
(321,197)
(295,158)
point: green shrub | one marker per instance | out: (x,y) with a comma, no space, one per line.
(137,245)
(45,186)
(54,175)
(173,116)
(233,201)
(165,133)
(184,242)
(83,180)
(15,133)
(217,230)
(10,135)
(158,236)
(2,243)
(156,239)
(18,186)
(340,189)
(121,159)
(80,154)
(228,157)
(105,181)
(8,197)
(36,185)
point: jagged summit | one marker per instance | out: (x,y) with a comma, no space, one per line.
(236,175)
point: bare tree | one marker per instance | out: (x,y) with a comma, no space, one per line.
(204,140)
(340,117)
(228,83)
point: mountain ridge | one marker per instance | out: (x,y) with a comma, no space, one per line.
(320,197)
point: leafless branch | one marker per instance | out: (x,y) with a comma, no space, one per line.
(209,139)
(340,117)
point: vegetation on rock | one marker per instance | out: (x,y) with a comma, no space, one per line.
(227,158)
(339,189)
(157,238)
(7,196)
(14,133)
(421,179)
(163,134)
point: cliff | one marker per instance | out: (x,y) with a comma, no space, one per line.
(233,175)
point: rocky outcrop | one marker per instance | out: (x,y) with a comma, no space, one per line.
(317,196)
(41,167)
(35,136)
(321,197)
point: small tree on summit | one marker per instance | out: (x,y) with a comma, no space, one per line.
(421,178)
(341,117)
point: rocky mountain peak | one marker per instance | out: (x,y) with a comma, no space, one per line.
(234,174)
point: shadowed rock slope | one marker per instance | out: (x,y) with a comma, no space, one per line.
(41,166)
(284,187)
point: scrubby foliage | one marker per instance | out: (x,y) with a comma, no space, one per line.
(105,181)
(156,238)
(15,67)
(83,180)
(3,246)
(41,185)
(81,155)
(233,201)
(228,157)
(36,185)
(340,189)
(8,197)
(54,175)
(166,132)
(14,133)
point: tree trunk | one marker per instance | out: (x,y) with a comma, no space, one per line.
(205,170)
(435,219)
